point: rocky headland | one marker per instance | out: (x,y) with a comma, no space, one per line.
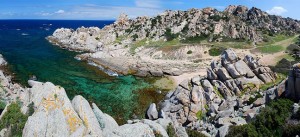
(161,45)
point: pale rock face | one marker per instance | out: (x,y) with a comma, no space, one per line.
(135,130)
(2,61)
(157,128)
(106,122)
(52,104)
(85,112)
(63,33)
(152,112)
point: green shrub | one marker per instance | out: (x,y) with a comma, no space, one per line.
(195,39)
(15,119)
(189,52)
(247,130)
(135,36)
(2,105)
(30,108)
(171,131)
(199,115)
(194,133)
(290,130)
(215,51)
(215,17)
(269,122)
(169,35)
(272,118)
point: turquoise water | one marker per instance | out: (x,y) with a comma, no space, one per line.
(28,53)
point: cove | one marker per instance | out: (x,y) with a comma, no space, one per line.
(28,53)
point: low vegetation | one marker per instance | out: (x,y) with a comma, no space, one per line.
(14,119)
(271,49)
(279,79)
(269,122)
(189,52)
(2,106)
(171,131)
(194,133)
(215,51)
(200,115)
(196,39)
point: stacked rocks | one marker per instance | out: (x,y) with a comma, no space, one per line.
(222,96)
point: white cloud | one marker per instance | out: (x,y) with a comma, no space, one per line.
(277,10)
(60,12)
(148,3)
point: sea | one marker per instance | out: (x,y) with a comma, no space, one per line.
(28,53)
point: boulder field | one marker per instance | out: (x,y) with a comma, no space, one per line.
(229,94)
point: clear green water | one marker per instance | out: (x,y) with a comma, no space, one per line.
(121,97)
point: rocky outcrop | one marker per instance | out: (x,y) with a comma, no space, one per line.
(222,96)
(129,46)
(56,115)
(293,82)
(51,103)
(235,22)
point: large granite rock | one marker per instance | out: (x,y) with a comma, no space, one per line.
(54,114)
(293,83)
(135,130)
(107,123)
(152,112)
(85,112)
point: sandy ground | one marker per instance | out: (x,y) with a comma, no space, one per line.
(178,79)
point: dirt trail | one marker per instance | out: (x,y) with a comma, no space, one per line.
(273,58)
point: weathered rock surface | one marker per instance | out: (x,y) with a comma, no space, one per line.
(222,95)
(293,82)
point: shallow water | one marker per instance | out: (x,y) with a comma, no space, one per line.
(28,53)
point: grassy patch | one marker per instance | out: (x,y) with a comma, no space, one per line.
(215,51)
(271,49)
(194,133)
(120,39)
(137,44)
(196,39)
(171,131)
(218,92)
(269,40)
(199,115)
(271,84)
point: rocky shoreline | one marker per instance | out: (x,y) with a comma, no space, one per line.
(56,115)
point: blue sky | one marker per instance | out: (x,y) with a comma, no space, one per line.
(103,9)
